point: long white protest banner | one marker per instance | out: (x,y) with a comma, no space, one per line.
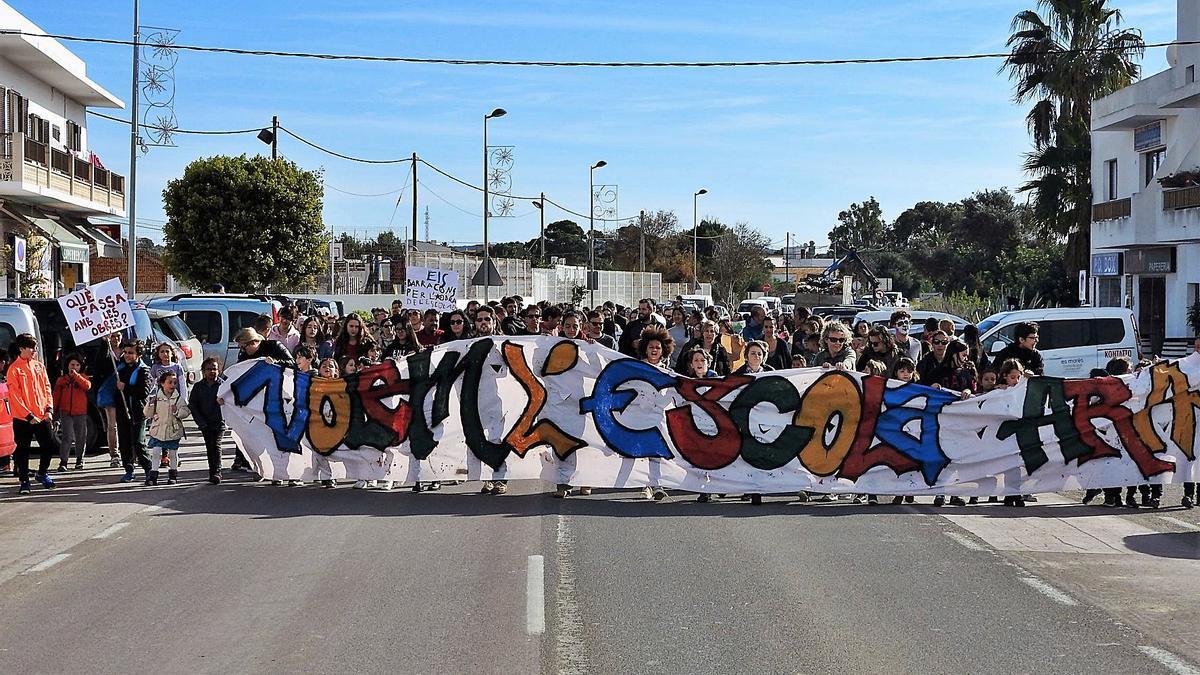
(572,412)
(430,288)
(97,310)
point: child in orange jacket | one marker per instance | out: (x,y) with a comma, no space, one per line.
(29,398)
(71,403)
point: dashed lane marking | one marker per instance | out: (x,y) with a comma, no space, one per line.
(110,530)
(1049,591)
(1169,661)
(535,595)
(47,563)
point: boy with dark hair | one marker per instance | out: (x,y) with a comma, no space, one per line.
(31,402)
(206,412)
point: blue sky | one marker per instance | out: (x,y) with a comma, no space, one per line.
(783,149)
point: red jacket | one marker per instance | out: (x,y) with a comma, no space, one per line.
(28,390)
(70,394)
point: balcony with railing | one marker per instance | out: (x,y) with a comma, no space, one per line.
(51,176)
(1181,198)
(1112,210)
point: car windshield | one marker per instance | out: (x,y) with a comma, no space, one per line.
(748,306)
(141,330)
(175,328)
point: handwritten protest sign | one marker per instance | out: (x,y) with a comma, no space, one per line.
(430,288)
(97,310)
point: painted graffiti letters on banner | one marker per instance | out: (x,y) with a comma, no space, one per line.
(480,408)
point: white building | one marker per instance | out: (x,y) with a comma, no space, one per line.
(50,181)
(1145,234)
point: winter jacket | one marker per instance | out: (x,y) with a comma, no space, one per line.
(136,378)
(1030,358)
(272,349)
(166,415)
(70,394)
(29,393)
(204,407)
(845,357)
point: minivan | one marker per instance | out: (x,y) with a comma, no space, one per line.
(216,318)
(1073,340)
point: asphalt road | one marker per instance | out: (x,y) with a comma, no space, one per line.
(246,577)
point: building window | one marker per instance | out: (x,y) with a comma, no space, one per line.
(1110,184)
(1152,161)
(1189,75)
(1108,292)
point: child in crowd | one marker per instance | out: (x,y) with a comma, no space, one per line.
(699,363)
(71,403)
(875,367)
(206,411)
(1011,372)
(166,361)
(987,381)
(905,370)
(329,370)
(166,411)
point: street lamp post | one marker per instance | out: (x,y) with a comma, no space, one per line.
(696,242)
(487,259)
(592,231)
(541,207)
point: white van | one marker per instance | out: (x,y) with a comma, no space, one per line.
(702,302)
(1073,340)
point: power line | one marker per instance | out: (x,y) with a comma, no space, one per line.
(309,143)
(446,201)
(592,64)
(174,131)
(399,190)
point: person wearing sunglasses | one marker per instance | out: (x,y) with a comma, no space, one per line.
(942,368)
(455,326)
(880,347)
(595,329)
(836,351)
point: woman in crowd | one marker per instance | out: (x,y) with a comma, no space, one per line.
(455,326)
(779,356)
(880,347)
(353,341)
(836,352)
(709,341)
(653,347)
(312,333)
(404,343)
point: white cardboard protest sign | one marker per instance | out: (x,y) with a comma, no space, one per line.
(431,288)
(96,311)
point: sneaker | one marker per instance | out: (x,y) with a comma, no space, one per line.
(873,500)
(827,498)
(562,493)
(277,483)
(485,491)
(897,501)
(1187,503)
(756,499)
(648,493)
(802,496)
(957,501)
(215,478)
(1032,499)
(939,501)
(62,468)
(372,483)
(46,481)
(909,499)
(585,491)
(488,486)
(1154,503)
(79,465)
(858,499)
(659,494)
(500,488)
(1089,495)
(437,485)
(128,477)
(329,483)
(1131,502)
(114,462)
(704,498)
(973,500)
(295,483)
(172,480)
(25,487)
(360,484)
(386,485)
(1113,502)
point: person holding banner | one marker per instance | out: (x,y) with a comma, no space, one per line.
(31,402)
(653,346)
(104,376)
(133,387)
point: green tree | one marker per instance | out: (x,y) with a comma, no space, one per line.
(246,222)
(566,239)
(1061,60)
(740,263)
(860,227)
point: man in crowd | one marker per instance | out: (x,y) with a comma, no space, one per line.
(551,319)
(485,320)
(633,329)
(595,330)
(901,322)
(254,346)
(753,330)
(429,335)
(1024,349)
(285,332)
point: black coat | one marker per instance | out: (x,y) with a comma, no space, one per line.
(1030,358)
(202,402)
(137,387)
(271,349)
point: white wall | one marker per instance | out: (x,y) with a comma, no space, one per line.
(45,102)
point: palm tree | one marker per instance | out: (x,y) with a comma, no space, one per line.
(1063,61)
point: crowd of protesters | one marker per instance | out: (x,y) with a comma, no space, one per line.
(143,407)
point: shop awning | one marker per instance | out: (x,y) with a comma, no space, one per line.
(106,246)
(71,249)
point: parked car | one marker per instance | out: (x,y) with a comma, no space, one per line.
(16,318)
(843,313)
(215,319)
(747,305)
(702,302)
(881,317)
(773,304)
(1073,340)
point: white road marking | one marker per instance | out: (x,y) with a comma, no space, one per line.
(47,563)
(159,506)
(1181,523)
(110,530)
(568,642)
(1049,591)
(1169,661)
(535,595)
(965,541)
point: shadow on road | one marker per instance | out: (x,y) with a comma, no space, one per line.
(1181,545)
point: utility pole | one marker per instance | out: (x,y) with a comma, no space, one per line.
(787,266)
(542,229)
(274,136)
(414,198)
(642,228)
(131,288)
